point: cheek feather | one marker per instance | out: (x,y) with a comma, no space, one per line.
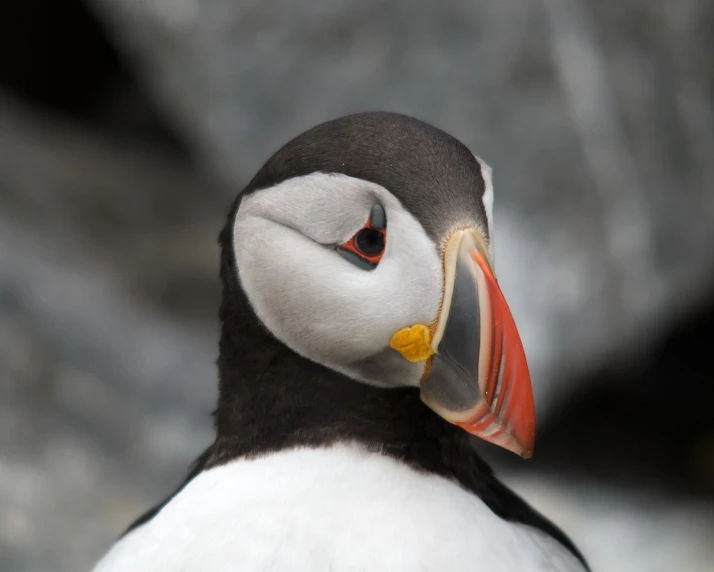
(323,307)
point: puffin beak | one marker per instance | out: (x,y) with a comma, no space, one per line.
(478,377)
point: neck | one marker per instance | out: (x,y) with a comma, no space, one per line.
(270,398)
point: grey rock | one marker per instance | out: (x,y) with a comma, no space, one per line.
(106,388)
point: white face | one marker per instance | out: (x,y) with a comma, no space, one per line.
(320,304)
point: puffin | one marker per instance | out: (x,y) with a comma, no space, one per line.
(364,344)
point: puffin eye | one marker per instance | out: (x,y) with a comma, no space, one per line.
(369,242)
(366,247)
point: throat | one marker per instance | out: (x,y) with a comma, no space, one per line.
(271,398)
(282,400)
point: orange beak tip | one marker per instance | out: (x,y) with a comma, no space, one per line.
(527,453)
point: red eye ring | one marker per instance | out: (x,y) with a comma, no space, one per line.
(369,242)
(366,241)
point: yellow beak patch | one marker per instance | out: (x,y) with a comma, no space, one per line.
(413,342)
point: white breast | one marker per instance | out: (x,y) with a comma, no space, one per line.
(341,509)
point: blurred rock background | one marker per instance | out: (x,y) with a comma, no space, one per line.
(126,128)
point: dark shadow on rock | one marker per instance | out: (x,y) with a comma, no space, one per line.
(55,55)
(649,425)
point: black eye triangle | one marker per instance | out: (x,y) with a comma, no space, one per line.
(378,219)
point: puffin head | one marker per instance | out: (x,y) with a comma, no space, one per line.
(365,246)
